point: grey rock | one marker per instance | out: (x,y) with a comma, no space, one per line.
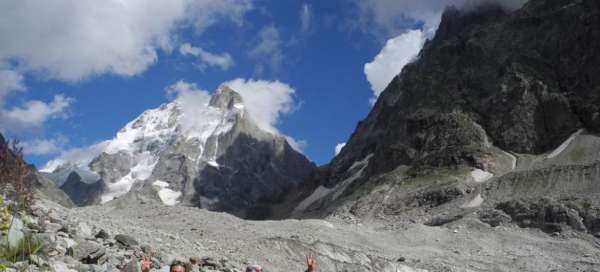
(102,234)
(87,252)
(126,240)
(52,227)
(15,232)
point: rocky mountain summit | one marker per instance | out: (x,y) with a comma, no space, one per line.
(212,156)
(498,117)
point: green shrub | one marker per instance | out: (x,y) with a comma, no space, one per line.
(28,246)
(15,180)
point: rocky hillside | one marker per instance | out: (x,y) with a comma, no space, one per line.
(498,117)
(42,186)
(212,156)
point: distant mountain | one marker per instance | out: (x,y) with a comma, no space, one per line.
(213,156)
(499,106)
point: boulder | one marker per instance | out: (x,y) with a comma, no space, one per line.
(87,252)
(102,234)
(15,232)
(126,241)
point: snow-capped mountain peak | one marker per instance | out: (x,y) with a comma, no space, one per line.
(197,150)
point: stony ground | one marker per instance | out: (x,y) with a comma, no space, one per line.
(465,245)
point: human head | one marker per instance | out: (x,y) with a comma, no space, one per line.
(254,268)
(177,266)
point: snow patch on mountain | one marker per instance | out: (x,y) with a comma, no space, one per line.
(481,176)
(564,145)
(166,195)
(319,193)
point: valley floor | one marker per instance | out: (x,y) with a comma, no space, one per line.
(465,245)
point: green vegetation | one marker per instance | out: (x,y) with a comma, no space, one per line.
(29,246)
(16,197)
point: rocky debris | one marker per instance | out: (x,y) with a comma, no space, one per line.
(443,219)
(438,196)
(551,215)
(72,245)
(494,217)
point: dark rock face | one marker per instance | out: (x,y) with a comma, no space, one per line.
(254,177)
(526,77)
(81,193)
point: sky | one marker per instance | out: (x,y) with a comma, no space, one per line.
(73,72)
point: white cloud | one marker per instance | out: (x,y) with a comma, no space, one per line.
(397,52)
(298,145)
(72,40)
(193,102)
(44,146)
(34,113)
(10,81)
(268,48)
(338,148)
(224,61)
(305,18)
(81,156)
(265,100)
(391,17)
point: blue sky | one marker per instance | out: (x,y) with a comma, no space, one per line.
(107,76)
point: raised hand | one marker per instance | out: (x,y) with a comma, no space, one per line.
(145,264)
(311,263)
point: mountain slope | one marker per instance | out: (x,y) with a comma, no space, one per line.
(495,94)
(207,153)
(41,186)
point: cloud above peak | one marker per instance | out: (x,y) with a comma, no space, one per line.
(266,101)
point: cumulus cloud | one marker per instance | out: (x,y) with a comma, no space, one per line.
(44,146)
(34,113)
(72,40)
(392,17)
(305,18)
(338,148)
(224,61)
(268,49)
(396,53)
(10,81)
(80,156)
(265,100)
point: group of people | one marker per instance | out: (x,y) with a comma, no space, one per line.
(178,266)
